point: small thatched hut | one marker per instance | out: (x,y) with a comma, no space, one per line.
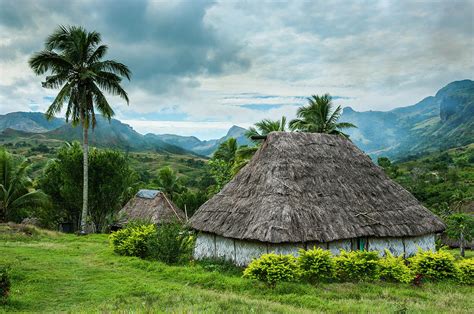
(302,190)
(152,206)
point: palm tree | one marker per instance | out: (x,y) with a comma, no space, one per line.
(226,151)
(319,117)
(16,188)
(73,57)
(266,126)
(261,128)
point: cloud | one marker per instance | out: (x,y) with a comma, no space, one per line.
(232,61)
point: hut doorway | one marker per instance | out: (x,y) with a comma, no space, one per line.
(360,244)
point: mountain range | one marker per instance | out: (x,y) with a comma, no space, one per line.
(436,122)
(113,134)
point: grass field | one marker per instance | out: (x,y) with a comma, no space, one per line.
(54,272)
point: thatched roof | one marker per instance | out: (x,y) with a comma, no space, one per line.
(302,187)
(152,206)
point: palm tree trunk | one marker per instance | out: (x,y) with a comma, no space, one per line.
(461,245)
(85,191)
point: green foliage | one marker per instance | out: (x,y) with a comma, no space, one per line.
(168,182)
(316,264)
(272,269)
(460,226)
(320,117)
(110,178)
(5,284)
(17,193)
(357,265)
(170,243)
(190,200)
(437,180)
(433,265)
(132,241)
(266,126)
(394,269)
(221,171)
(466,271)
(390,169)
(73,58)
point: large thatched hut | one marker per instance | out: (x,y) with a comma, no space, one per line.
(302,190)
(151,206)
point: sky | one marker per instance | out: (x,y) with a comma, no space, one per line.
(199,67)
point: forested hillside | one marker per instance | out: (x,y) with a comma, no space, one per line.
(437,122)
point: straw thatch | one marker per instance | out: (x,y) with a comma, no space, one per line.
(302,187)
(152,206)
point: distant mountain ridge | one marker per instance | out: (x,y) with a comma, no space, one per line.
(33,122)
(114,134)
(204,148)
(437,122)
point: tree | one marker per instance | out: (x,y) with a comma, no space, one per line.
(73,58)
(245,153)
(226,151)
(266,126)
(460,227)
(16,188)
(390,169)
(319,117)
(109,172)
(221,163)
(168,182)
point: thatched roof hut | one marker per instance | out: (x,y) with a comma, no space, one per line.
(152,206)
(305,189)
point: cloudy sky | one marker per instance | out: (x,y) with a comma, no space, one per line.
(201,66)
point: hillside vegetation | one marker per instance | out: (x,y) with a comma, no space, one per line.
(442,181)
(54,272)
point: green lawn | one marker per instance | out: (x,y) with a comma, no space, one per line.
(54,273)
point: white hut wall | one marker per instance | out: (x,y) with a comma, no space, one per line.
(242,252)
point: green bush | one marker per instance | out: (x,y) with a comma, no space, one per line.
(357,265)
(316,264)
(171,243)
(466,271)
(132,241)
(273,268)
(394,269)
(5,284)
(433,265)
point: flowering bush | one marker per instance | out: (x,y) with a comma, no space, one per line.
(357,265)
(433,265)
(316,264)
(466,271)
(273,268)
(394,269)
(132,241)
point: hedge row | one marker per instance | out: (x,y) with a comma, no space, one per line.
(318,265)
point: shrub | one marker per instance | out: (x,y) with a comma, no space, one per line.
(433,265)
(394,269)
(466,271)
(5,284)
(272,268)
(171,243)
(356,265)
(316,264)
(132,241)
